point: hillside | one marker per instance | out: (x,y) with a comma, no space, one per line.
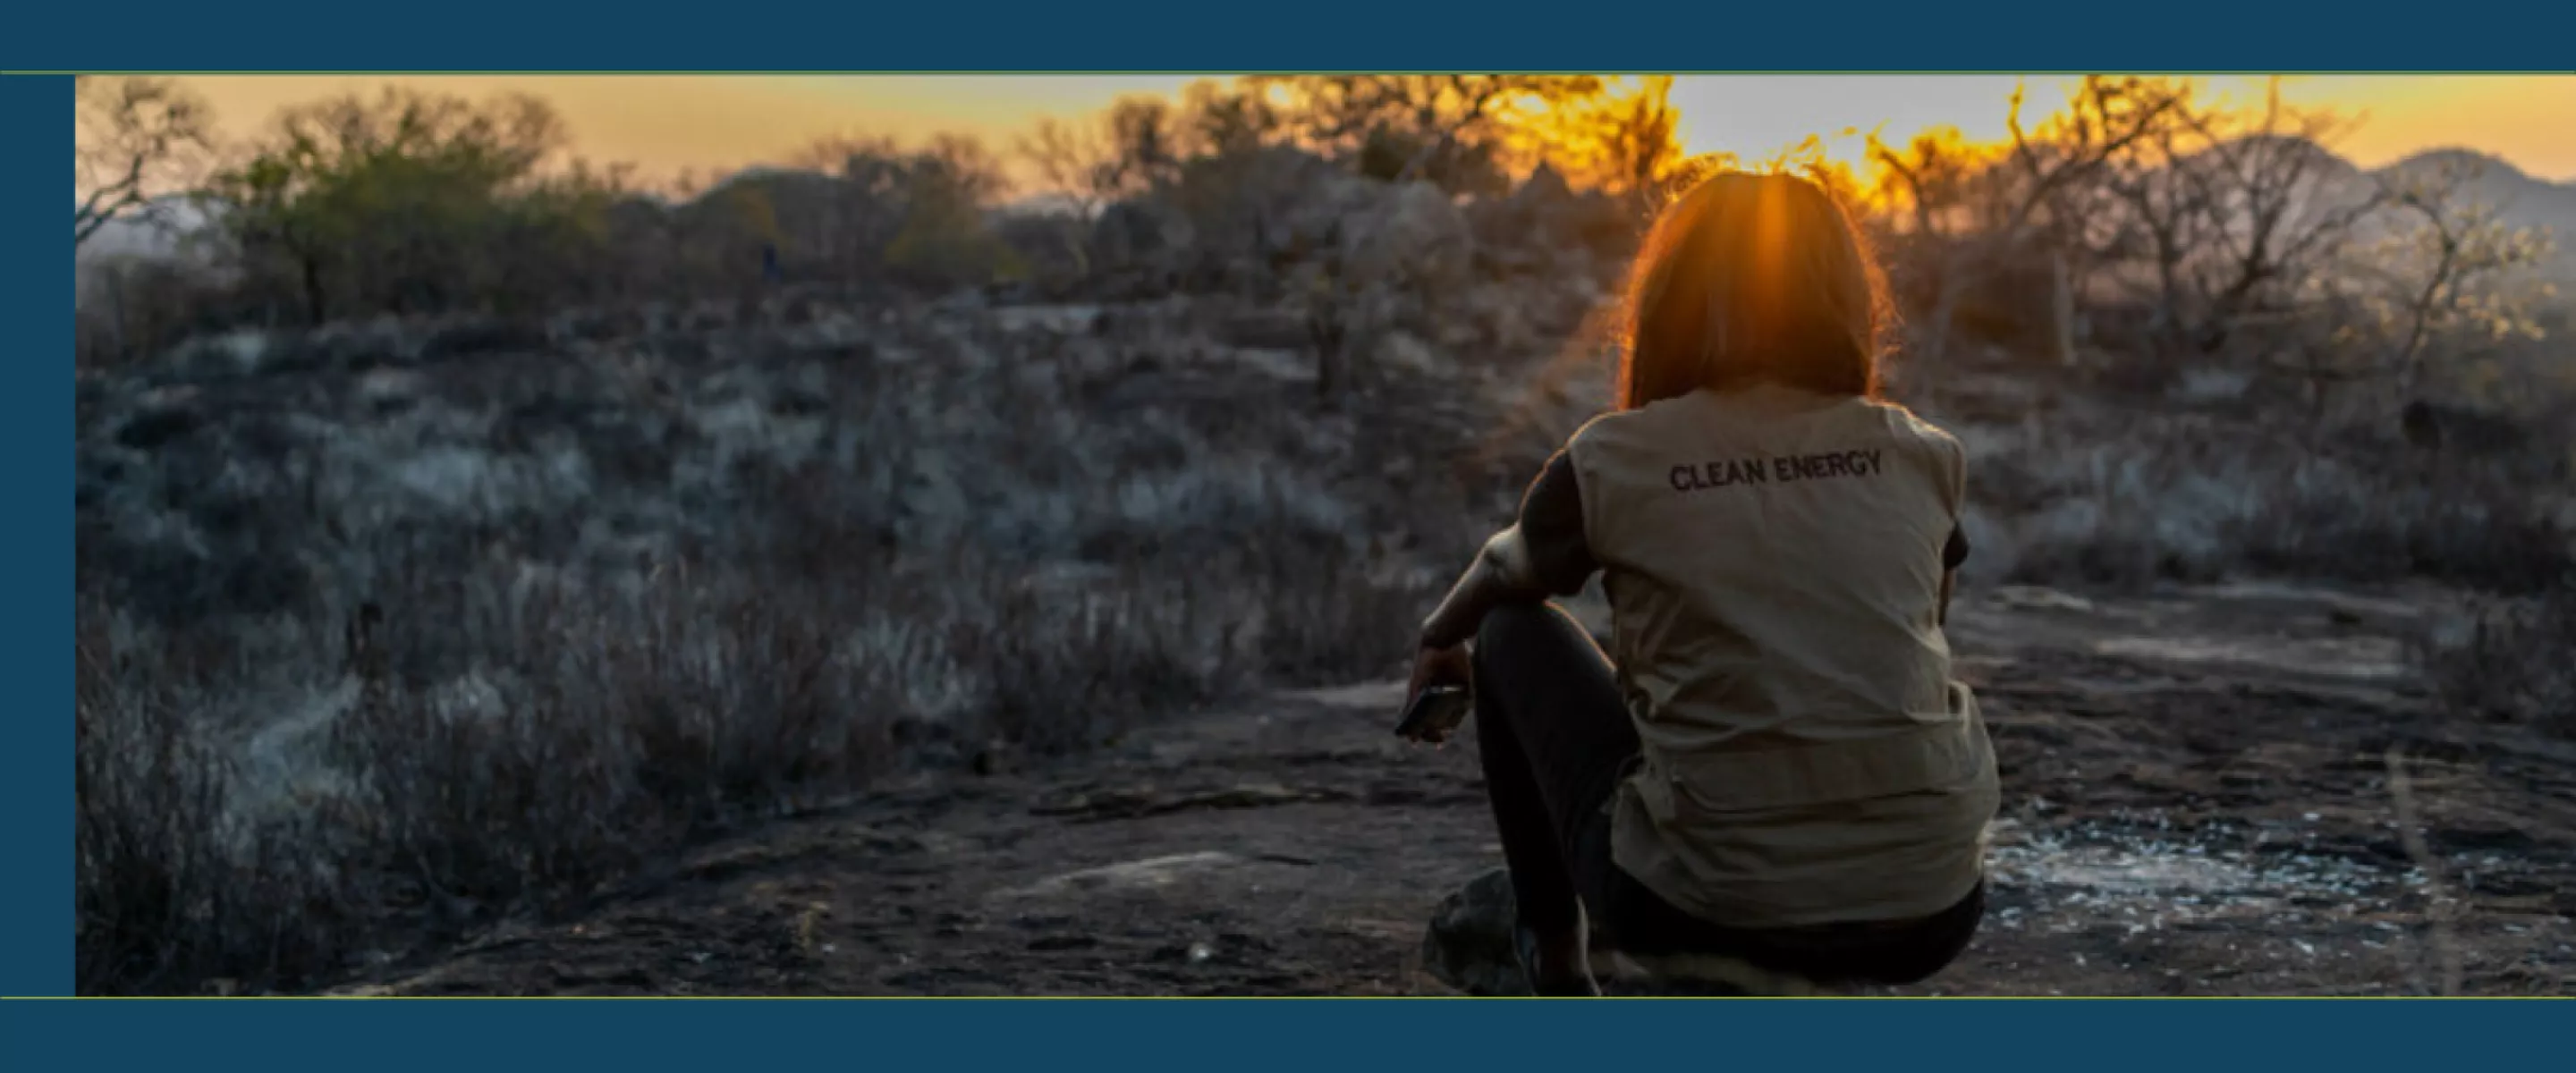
(841,647)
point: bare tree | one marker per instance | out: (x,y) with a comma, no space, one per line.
(1330,308)
(1134,147)
(1072,162)
(1984,212)
(1626,141)
(2237,212)
(1441,123)
(2236,227)
(135,139)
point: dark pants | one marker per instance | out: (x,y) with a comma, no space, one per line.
(1556,743)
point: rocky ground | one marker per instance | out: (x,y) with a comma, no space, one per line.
(2213,791)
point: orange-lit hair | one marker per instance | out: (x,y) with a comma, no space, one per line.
(1751,278)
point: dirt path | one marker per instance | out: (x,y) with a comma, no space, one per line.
(2198,801)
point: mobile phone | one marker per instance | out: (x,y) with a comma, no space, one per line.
(1434,713)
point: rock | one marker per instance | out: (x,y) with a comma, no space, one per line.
(1469,947)
(1469,944)
(1133,802)
(1150,873)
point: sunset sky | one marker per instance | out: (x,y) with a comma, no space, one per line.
(665,124)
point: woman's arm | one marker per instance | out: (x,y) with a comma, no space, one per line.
(1954,551)
(1952,554)
(1500,574)
(1541,554)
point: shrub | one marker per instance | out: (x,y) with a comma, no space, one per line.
(2512,666)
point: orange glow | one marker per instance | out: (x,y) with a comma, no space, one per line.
(669,124)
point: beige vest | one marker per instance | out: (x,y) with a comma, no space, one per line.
(1773,562)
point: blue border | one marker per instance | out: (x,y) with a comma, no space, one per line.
(1280,1034)
(36,599)
(1370,35)
(35,933)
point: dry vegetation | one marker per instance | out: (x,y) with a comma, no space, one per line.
(469,636)
(458,537)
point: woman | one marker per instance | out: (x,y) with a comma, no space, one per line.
(1776,768)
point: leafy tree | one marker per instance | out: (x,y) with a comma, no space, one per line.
(1138,145)
(393,204)
(553,242)
(945,237)
(2441,283)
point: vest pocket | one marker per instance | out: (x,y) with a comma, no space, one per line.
(1910,761)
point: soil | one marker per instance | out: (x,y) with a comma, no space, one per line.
(2198,801)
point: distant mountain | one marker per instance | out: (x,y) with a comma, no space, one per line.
(765,176)
(154,229)
(2519,199)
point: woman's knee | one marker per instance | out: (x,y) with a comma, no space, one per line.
(1521,626)
(1537,648)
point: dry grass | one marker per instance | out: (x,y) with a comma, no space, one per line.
(2122,493)
(599,729)
(358,678)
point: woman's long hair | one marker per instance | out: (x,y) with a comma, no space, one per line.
(1752,278)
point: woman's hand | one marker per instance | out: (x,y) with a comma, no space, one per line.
(1436,669)
(1439,666)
